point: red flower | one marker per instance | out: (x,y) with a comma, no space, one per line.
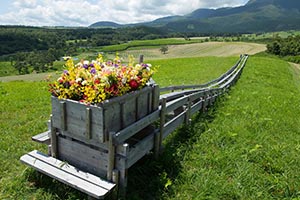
(133,84)
(97,81)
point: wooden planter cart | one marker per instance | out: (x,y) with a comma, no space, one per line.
(92,147)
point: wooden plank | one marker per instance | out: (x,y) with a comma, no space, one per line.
(173,105)
(88,123)
(76,118)
(131,95)
(139,150)
(173,124)
(43,138)
(155,98)
(82,156)
(54,150)
(129,131)
(111,156)
(63,117)
(85,182)
(196,107)
(158,136)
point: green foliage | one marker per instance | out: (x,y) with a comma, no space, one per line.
(164,49)
(6,69)
(289,48)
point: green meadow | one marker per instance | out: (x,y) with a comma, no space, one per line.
(246,147)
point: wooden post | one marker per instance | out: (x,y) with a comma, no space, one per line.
(88,123)
(115,179)
(124,172)
(111,156)
(141,60)
(188,111)
(155,98)
(53,140)
(63,116)
(158,136)
(122,115)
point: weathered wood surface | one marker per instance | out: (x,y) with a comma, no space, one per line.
(83,156)
(43,138)
(91,124)
(68,174)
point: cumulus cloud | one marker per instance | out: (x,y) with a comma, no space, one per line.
(86,12)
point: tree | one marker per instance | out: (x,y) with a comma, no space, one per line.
(164,49)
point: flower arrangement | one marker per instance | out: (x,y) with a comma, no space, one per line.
(94,82)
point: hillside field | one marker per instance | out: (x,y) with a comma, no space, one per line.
(222,49)
(246,147)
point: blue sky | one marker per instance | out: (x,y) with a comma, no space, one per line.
(86,12)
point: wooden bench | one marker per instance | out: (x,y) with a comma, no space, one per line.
(85,182)
(43,138)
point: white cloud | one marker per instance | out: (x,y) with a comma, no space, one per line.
(84,13)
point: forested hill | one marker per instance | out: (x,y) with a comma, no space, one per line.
(255,16)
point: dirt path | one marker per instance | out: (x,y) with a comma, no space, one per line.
(295,65)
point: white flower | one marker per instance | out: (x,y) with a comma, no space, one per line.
(78,80)
(78,65)
(84,82)
(86,62)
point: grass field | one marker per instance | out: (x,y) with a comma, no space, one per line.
(220,49)
(246,148)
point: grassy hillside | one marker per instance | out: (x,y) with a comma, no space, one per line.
(246,148)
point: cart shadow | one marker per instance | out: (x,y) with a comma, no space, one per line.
(150,178)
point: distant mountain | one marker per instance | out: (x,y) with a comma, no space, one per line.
(106,24)
(255,16)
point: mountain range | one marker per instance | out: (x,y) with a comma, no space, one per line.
(254,16)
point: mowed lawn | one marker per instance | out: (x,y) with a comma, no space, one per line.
(247,147)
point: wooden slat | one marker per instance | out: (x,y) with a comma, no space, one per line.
(173,124)
(83,156)
(126,133)
(173,105)
(43,138)
(196,107)
(76,118)
(85,182)
(140,149)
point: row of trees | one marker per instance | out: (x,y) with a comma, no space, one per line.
(289,46)
(38,61)
(35,48)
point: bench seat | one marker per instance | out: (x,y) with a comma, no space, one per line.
(85,182)
(43,138)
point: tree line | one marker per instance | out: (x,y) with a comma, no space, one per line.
(286,47)
(36,48)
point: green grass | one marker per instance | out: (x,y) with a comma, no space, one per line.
(187,71)
(246,148)
(148,43)
(6,69)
